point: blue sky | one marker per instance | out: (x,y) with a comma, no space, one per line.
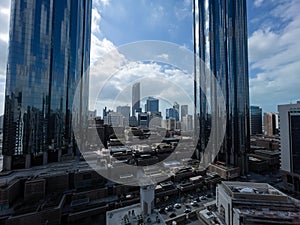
(273,30)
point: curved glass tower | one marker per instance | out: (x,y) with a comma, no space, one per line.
(49,53)
(220,37)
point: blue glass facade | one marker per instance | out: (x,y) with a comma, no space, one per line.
(152,105)
(172,113)
(255,120)
(136,89)
(220,38)
(49,50)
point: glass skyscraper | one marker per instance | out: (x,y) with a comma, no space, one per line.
(220,44)
(255,120)
(152,105)
(49,53)
(136,92)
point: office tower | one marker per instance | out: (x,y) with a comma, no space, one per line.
(289,116)
(184,111)
(172,113)
(270,124)
(220,45)
(114,119)
(176,108)
(136,98)
(49,53)
(152,105)
(155,119)
(255,120)
(187,123)
(143,120)
(125,111)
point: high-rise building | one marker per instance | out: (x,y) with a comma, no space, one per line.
(255,120)
(270,124)
(172,113)
(114,119)
(152,105)
(125,111)
(49,53)
(289,116)
(187,123)
(136,98)
(220,46)
(184,111)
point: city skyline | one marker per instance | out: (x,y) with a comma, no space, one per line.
(138,112)
(273,71)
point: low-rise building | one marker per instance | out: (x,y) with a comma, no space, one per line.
(245,203)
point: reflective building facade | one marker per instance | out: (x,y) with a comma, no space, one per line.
(136,97)
(49,53)
(255,120)
(220,44)
(152,105)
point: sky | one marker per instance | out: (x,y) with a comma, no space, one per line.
(274,50)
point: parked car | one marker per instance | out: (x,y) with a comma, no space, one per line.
(202,198)
(172,215)
(169,208)
(177,205)
(187,210)
(194,203)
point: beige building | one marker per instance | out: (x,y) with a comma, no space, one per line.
(270,124)
(290,145)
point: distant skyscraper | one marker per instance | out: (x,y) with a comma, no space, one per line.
(114,119)
(136,98)
(255,120)
(49,52)
(270,127)
(220,42)
(152,105)
(187,123)
(125,111)
(172,113)
(184,111)
(290,145)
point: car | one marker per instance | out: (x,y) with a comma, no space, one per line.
(202,198)
(177,205)
(169,208)
(162,210)
(187,210)
(172,215)
(194,203)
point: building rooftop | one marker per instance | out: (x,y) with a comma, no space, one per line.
(257,193)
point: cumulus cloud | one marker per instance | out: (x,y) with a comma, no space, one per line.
(167,83)
(258,3)
(275,58)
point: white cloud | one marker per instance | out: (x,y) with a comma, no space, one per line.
(95,21)
(258,3)
(275,54)
(101,2)
(163,56)
(165,83)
